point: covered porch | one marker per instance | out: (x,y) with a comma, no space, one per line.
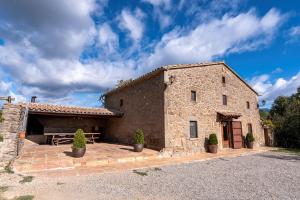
(55,124)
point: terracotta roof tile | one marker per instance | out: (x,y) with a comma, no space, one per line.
(60,109)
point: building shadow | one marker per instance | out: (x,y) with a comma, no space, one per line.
(68,153)
(128,149)
(281,156)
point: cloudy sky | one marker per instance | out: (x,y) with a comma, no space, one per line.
(70,51)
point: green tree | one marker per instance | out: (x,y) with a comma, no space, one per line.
(285,115)
(1,118)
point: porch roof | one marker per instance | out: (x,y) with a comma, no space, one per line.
(37,108)
(229,114)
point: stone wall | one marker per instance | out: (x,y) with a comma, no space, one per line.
(143,107)
(207,82)
(9,129)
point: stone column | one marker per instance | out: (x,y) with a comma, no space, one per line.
(9,128)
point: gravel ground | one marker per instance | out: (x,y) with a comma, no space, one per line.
(261,176)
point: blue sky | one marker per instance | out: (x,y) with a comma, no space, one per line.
(70,51)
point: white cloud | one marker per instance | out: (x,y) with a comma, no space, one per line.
(206,41)
(271,89)
(132,22)
(108,39)
(49,26)
(293,34)
(166,4)
(294,31)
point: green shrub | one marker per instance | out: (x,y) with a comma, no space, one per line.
(79,139)
(1,138)
(213,139)
(250,137)
(139,137)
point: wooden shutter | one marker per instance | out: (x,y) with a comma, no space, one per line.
(237,135)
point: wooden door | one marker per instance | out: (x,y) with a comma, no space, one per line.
(237,138)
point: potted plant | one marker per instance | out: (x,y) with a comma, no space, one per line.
(138,140)
(250,140)
(213,143)
(79,144)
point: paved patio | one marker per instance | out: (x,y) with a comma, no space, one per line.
(46,160)
(35,158)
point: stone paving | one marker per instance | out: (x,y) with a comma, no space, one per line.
(37,158)
(45,160)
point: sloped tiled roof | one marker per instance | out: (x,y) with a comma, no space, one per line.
(177,66)
(73,110)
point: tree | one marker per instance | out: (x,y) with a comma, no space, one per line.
(1,118)
(285,115)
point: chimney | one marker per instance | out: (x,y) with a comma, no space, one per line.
(33,99)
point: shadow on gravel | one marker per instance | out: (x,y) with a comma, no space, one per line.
(281,156)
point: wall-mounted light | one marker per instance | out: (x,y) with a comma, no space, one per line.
(171,79)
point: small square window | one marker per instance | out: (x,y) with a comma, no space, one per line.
(193,129)
(248,104)
(224,100)
(223,80)
(193,95)
(249,128)
(121,102)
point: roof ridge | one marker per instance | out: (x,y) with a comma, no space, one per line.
(59,105)
(161,68)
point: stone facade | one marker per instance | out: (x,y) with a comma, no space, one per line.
(143,107)
(12,114)
(163,108)
(206,81)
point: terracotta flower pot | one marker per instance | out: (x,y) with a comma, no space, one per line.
(22,135)
(78,152)
(138,147)
(213,148)
(250,145)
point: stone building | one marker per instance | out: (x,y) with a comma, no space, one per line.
(178,106)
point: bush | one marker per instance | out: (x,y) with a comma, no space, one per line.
(250,137)
(1,138)
(139,137)
(213,140)
(79,139)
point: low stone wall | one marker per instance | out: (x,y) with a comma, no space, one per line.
(9,128)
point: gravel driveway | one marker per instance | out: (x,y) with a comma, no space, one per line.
(261,176)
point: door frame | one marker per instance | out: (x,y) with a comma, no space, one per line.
(229,134)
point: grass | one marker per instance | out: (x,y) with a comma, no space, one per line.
(141,173)
(25,197)
(26,179)
(157,169)
(8,169)
(3,189)
(288,150)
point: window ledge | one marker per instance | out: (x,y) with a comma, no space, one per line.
(194,138)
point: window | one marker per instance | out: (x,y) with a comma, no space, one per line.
(248,104)
(193,95)
(223,80)
(121,102)
(193,129)
(249,128)
(224,100)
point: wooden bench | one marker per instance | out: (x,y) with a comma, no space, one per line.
(60,138)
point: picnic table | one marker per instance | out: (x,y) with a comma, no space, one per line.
(60,138)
